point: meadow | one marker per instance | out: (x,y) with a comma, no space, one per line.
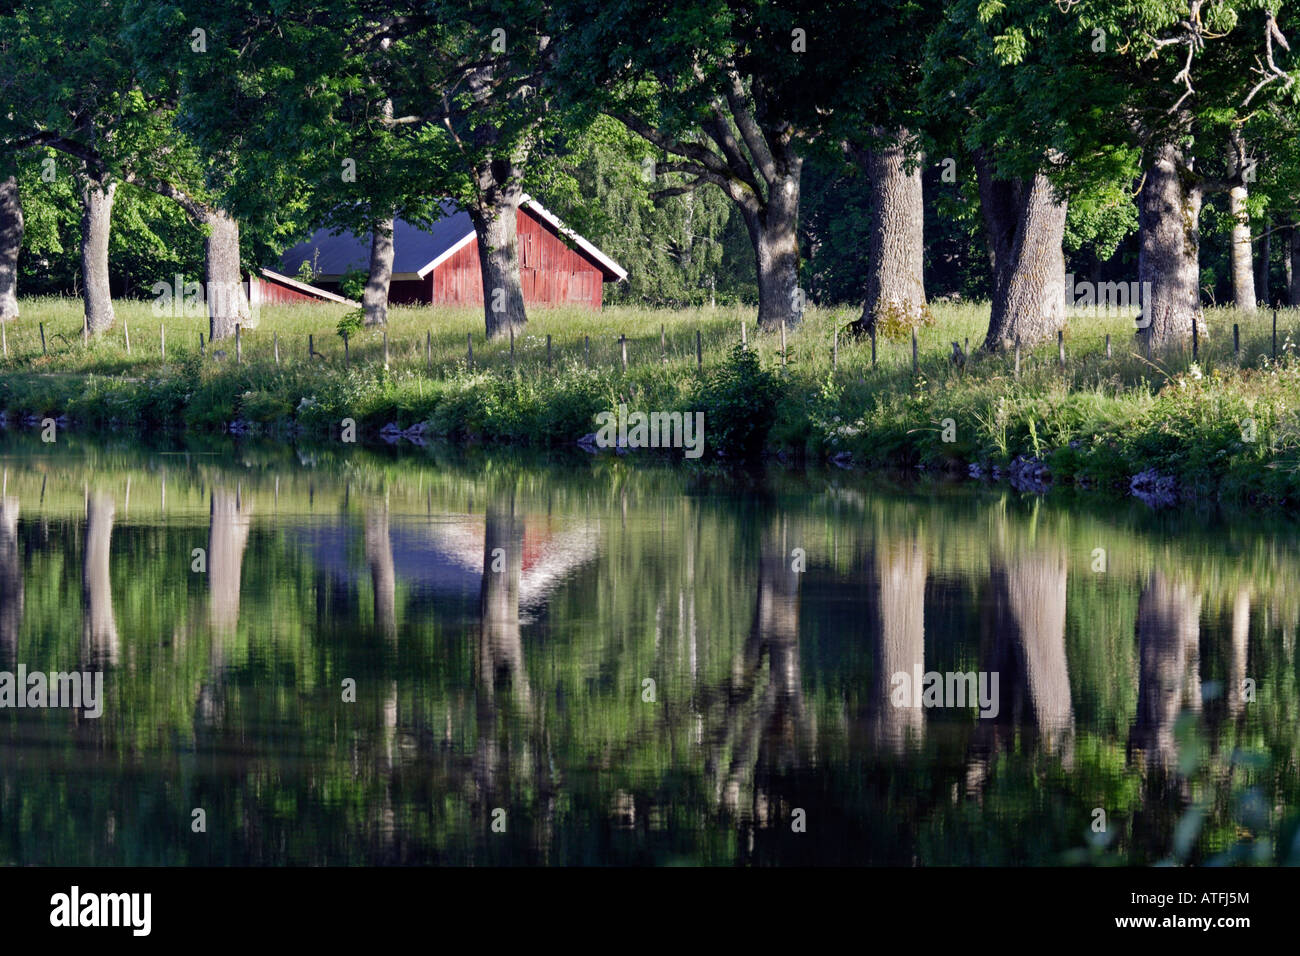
(1222,424)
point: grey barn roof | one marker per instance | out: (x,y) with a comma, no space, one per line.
(415,250)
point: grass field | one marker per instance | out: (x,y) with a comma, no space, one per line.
(1224,425)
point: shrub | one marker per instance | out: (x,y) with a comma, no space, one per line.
(738,399)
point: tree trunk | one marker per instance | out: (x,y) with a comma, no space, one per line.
(99,626)
(1262,290)
(1169,211)
(773,229)
(1293,263)
(1168,626)
(896,251)
(228,527)
(1029,608)
(11,242)
(1242,258)
(227,301)
(899,589)
(375,300)
(496,225)
(383,576)
(1025,224)
(11,581)
(96,222)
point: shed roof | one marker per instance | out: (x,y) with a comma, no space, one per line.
(419,251)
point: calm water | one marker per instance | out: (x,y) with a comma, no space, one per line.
(622,665)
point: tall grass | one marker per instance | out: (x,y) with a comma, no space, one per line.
(1223,423)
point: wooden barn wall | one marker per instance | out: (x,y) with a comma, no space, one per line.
(272,293)
(550,272)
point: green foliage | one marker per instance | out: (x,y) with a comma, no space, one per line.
(739,400)
(352,284)
(351,323)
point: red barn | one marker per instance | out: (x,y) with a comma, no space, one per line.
(440,265)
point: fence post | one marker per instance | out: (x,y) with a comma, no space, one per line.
(699,351)
(835,349)
(783,342)
(916,365)
(586,348)
(311,346)
(1275,334)
(44,350)
(622,341)
(385,348)
(4,338)
(126,334)
(1107,345)
(1060,347)
(663,345)
(548,350)
(1196,339)
(275,343)
(239,348)
(347,353)
(469,348)
(203,350)
(873,345)
(1017,358)
(1236,339)
(512,345)
(744,336)
(428,350)
(162,341)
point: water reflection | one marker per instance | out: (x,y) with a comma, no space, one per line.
(590,664)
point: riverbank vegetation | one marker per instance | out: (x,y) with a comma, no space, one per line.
(1220,424)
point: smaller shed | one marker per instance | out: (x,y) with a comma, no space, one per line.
(440,265)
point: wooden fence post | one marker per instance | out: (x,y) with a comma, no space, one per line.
(1107,345)
(512,345)
(239,348)
(873,346)
(202,346)
(469,348)
(311,346)
(916,365)
(162,341)
(347,352)
(126,335)
(4,338)
(428,350)
(44,350)
(1060,347)
(744,336)
(275,345)
(1275,334)
(622,341)
(548,350)
(1196,340)
(1017,358)
(1236,339)
(835,349)
(663,345)
(385,348)
(783,342)
(586,348)
(699,351)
